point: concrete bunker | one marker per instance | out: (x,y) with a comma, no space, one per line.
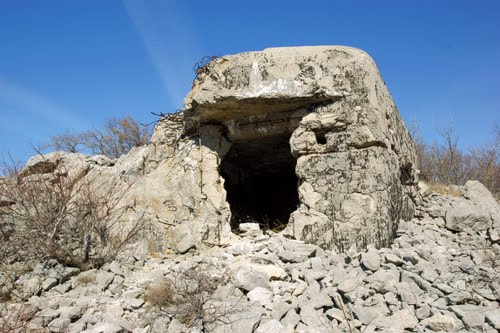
(321,116)
(260,181)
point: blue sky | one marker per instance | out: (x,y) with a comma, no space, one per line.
(74,64)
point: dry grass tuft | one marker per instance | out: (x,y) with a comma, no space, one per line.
(190,298)
(448,190)
(86,278)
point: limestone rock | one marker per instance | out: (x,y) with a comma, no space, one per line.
(271,326)
(260,295)
(493,318)
(104,279)
(440,323)
(248,278)
(467,217)
(371,260)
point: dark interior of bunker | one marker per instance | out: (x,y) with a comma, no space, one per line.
(260,182)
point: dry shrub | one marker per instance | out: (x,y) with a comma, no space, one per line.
(73,218)
(189,297)
(449,190)
(86,278)
(16,319)
(161,294)
(488,274)
(118,136)
(445,163)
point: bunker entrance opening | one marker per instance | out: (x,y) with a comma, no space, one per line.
(260,182)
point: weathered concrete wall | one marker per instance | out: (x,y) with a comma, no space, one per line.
(354,155)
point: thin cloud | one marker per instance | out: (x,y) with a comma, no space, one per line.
(21,104)
(167,33)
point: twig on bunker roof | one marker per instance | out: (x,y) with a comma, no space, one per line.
(174,117)
(203,63)
(203,66)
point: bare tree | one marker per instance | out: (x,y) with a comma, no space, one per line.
(118,136)
(444,162)
(69,142)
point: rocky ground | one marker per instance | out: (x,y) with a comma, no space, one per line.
(442,273)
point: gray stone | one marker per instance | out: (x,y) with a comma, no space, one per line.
(113,312)
(76,327)
(176,326)
(383,281)
(446,289)
(393,259)
(241,248)
(49,283)
(339,315)
(472,316)
(367,314)
(260,295)
(44,317)
(248,278)
(248,227)
(89,318)
(480,196)
(391,299)
(371,260)
(271,326)
(185,244)
(122,322)
(310,316)
(244,321)
(59,325)
(439,322)
(107,328)
(321,300)
(406,293)
(40,164)
(411,257)
(104,279)
(494,235)
(417,282)
(72,312)
(68,273)
(115,267)
(291,318)
(404,319)
(159,324)
(63,288)
(461,218)
(32,286)
(493,318)
(279,310)
(347,286)
(423,312)
(133,303)
(292,257)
